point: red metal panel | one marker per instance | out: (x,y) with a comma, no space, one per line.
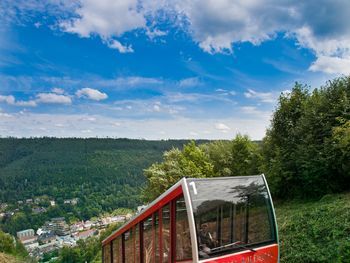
(166,199)
(172,232)
(141,241)
(134,236)
(267,254)
(153,237)
(123,248)
(160,215)
(111,251)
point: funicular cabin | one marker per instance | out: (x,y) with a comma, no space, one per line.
(224,220)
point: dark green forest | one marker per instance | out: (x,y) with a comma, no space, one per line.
(104,174)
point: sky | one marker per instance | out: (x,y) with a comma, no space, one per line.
(162,69)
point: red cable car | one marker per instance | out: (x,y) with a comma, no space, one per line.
(222,220)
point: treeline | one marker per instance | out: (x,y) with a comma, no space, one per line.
(305,153)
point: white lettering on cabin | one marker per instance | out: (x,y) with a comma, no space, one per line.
(193,187)
(261,257)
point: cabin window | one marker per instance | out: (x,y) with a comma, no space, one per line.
(148,255)
(156,237)
(183,239)
(137,243)
(129,246)
(166,234)
(117,250)
(107,253)
(231,214)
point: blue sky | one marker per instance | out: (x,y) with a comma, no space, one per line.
(161,69)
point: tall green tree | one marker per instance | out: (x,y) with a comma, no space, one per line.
(302,147)
(237,157)
(240,156)
(192,161)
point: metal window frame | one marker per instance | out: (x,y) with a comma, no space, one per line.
(191,221)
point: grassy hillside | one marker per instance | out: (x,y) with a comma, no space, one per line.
(4,258)
(315,231)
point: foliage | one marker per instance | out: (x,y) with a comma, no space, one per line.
(237,157)
(220,158)
(9,245)
(305,150)
(192,161)
(316,231)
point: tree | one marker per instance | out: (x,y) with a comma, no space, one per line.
(238,157)
(302,148)
(192,161)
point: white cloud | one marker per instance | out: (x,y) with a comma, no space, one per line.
(222,127)
(226,92)
(155,33)
(132,81)
(250,110)
(115,44)
(216,26)
(253,112)
(267,97)
(190,82)
(331,65)
(194,97)
(29,103)
(27,124)
(221,90)
(88,118)
(156,108)
(37,24)
(92,94)
(5,115)
(105,17)
(53,98)
(11,100)
(8,99)
(58,90)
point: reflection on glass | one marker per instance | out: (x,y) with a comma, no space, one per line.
(230,213)
(148,254)
(183,239)
(117,250)
(137,244)
(107,253)
(156,237)
(166,233)
(129,246)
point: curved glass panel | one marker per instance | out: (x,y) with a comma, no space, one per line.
(231,214)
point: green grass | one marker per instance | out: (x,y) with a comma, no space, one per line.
(317,231)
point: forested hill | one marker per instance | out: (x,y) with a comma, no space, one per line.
(103,173)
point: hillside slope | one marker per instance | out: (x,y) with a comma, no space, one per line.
(315,231)
(5,258)
(104,174)
(65,168)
